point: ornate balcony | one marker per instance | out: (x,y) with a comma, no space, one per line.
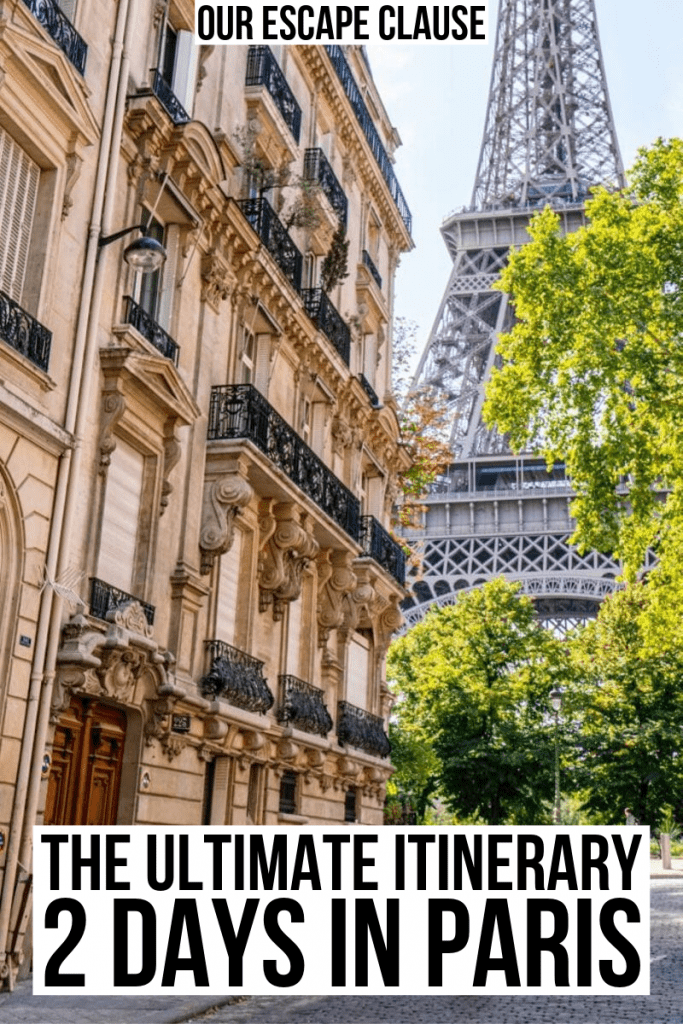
(381,547)
(263,69)
(303,706)
(369,391)
(147,326)
(105,599)
(360,729)
(368,128)
(236,676)
(370,264)
(240,411)
(317,168)
(327,319)
(168,99)
(24,334)
(274,236)
(58,26)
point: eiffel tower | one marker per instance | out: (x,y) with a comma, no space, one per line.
(549,137)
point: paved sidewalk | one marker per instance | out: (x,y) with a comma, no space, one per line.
(22,1007)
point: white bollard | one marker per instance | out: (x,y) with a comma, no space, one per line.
(665,844)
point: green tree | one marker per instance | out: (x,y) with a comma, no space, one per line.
(473,681)
(628,711)
(592,372)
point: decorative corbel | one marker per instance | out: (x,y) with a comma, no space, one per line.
(223,499)
(287,546)
(218,280)
(335,581)
(74,165)
(172,451)
(113,408)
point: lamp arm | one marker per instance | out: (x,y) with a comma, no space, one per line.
(107,239)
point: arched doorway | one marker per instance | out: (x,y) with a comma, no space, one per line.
(87,757)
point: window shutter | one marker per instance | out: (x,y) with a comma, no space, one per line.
(122,502)
(357,673)
(228,583)
(18,191)
(185,76)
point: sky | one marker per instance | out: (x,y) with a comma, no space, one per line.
(436,97)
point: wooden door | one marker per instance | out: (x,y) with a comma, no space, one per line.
(85,775)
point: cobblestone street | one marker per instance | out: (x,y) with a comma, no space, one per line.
(663,1006)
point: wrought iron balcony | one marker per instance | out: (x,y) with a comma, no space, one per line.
(263,69)
(369,391)
(168,99)
(23,333)
(317,168)
(240,411)
(327,319)
(104,599)
(360,729)
(58,26)
(303,706)
(236,676)
(370,264)
(368,128)
(138,318)
(275,237)
(382,547)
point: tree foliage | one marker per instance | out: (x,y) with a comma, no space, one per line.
(627,708)
(473,680)
(592,371)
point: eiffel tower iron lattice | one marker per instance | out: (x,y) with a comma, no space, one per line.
(549,138)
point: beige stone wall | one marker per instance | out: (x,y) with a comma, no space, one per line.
(110,153)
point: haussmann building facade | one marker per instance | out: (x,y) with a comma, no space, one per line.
(197,459)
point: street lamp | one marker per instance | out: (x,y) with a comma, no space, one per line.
(556,704)
(144,255)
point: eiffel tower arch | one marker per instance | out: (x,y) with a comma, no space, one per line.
(549,137)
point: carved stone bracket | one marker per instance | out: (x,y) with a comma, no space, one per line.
(223,499)
(113,408)
(172,451)
(364,604)
(335,581)
(287,546)
(218,280)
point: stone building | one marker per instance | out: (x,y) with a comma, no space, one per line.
(197,462)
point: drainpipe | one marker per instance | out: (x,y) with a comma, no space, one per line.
(84,370)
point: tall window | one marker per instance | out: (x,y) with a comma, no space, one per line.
(178,64)
(288,793)
(149,294)
(19,177)
(248,355)
(122,506)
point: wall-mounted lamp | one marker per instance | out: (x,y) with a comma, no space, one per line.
(144,255)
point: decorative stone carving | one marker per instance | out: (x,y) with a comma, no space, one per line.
(74,164)
(172,451)
(335,581)
(172,745)
(342,435)
(158,719)
(363,604)
(113,408)
(131,618)
(287,546)
(119,673)
(223,499)
(389,621)
(218,280)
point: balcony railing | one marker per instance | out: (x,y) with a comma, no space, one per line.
(168,99)
(104,599)
(368,128)
(263,69)
(23,333)
(240,411)
(327,319)
(138,318)
(360,729)
(274,236)
(303,706)
(317,168)
(381,547)
(370,264)
(236,676)
(58,26)
(369,391)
